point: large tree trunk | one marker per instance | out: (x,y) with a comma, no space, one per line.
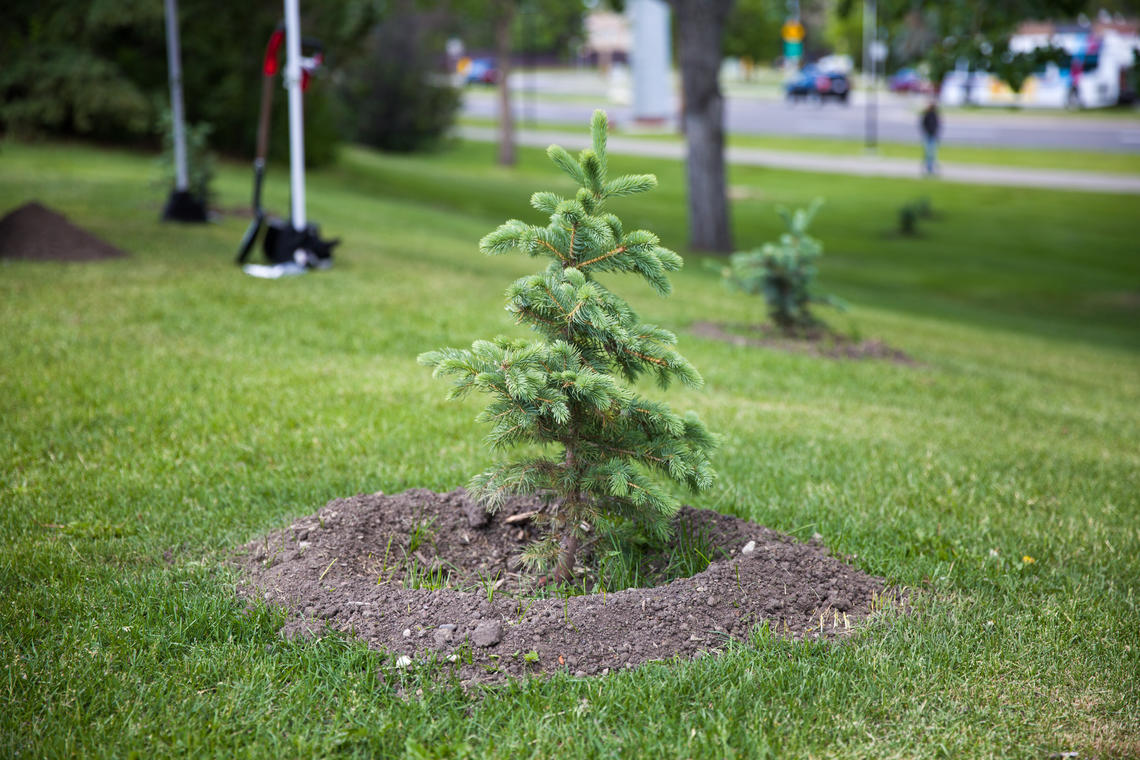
(506,16)
(700,34)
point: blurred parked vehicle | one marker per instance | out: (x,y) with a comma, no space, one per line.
(478,70)
(811,82)
(836,63)
(1100,72)
(909,80)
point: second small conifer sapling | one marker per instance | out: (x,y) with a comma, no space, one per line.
(569,391)
(783,273)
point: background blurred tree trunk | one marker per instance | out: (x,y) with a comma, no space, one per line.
(699,26)
(505,18)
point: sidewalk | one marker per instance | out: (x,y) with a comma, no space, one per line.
(864,166)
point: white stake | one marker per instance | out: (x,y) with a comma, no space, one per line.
(174,64)
(296,114)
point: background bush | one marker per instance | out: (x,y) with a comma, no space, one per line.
(400,97)
(200,160)
(98,69)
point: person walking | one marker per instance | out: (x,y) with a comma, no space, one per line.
(931,125)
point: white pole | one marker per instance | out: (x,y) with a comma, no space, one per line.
(296,115)
(649,56)
(870,55)
(174,64)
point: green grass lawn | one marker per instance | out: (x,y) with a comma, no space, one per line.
(156,412)
(1027,158)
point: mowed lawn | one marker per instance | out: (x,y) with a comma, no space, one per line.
(155,412)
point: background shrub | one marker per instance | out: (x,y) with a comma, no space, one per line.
(398,94)
(98,69)
(199,158)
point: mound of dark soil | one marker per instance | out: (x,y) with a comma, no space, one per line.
(34,232)
(820,342)
(350,567)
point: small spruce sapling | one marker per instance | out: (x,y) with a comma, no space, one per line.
(911,212)
(783,272)
(569,389)
(908,220)
(199,158)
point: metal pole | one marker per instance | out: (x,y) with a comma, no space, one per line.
(870,37)
(174,65)
(296,114)
(874,76)
(532,89)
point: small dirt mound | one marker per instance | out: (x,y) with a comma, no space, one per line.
(819,342)
(354,566)
(34,232)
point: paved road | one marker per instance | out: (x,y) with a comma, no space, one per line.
(897,121)
(870,166)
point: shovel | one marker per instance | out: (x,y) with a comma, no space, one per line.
(269,70)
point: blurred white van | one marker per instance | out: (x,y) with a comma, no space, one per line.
(1100,73)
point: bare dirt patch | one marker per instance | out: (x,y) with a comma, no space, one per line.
(817,342)
(354,565)
(34,232)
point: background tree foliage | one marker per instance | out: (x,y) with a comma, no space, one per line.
(753,30)
(510,28)
(401,99)
(98,69)
(942,32)
(79,68)
(548,29)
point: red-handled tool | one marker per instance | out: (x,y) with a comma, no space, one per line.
(282,241)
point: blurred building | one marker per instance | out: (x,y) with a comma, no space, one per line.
(608,39)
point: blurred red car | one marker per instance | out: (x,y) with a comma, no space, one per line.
(481,71)
(909,80)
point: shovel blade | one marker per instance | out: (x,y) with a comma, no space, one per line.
(250,237)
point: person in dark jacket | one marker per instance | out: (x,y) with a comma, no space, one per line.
(931,125)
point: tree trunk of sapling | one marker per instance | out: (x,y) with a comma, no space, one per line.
(568,511)
(503,24)
(567,554)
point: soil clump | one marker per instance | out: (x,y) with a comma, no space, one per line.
(355,566)
(816,342)
(34,232)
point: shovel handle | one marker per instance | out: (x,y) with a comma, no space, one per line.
(263,118)
(269,63)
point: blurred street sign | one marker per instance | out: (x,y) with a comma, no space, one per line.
(792,31)
(878,51)
(454,47)
(793,49)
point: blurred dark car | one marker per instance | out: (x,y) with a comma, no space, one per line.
(813,83)
(482,71)
(909,80)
